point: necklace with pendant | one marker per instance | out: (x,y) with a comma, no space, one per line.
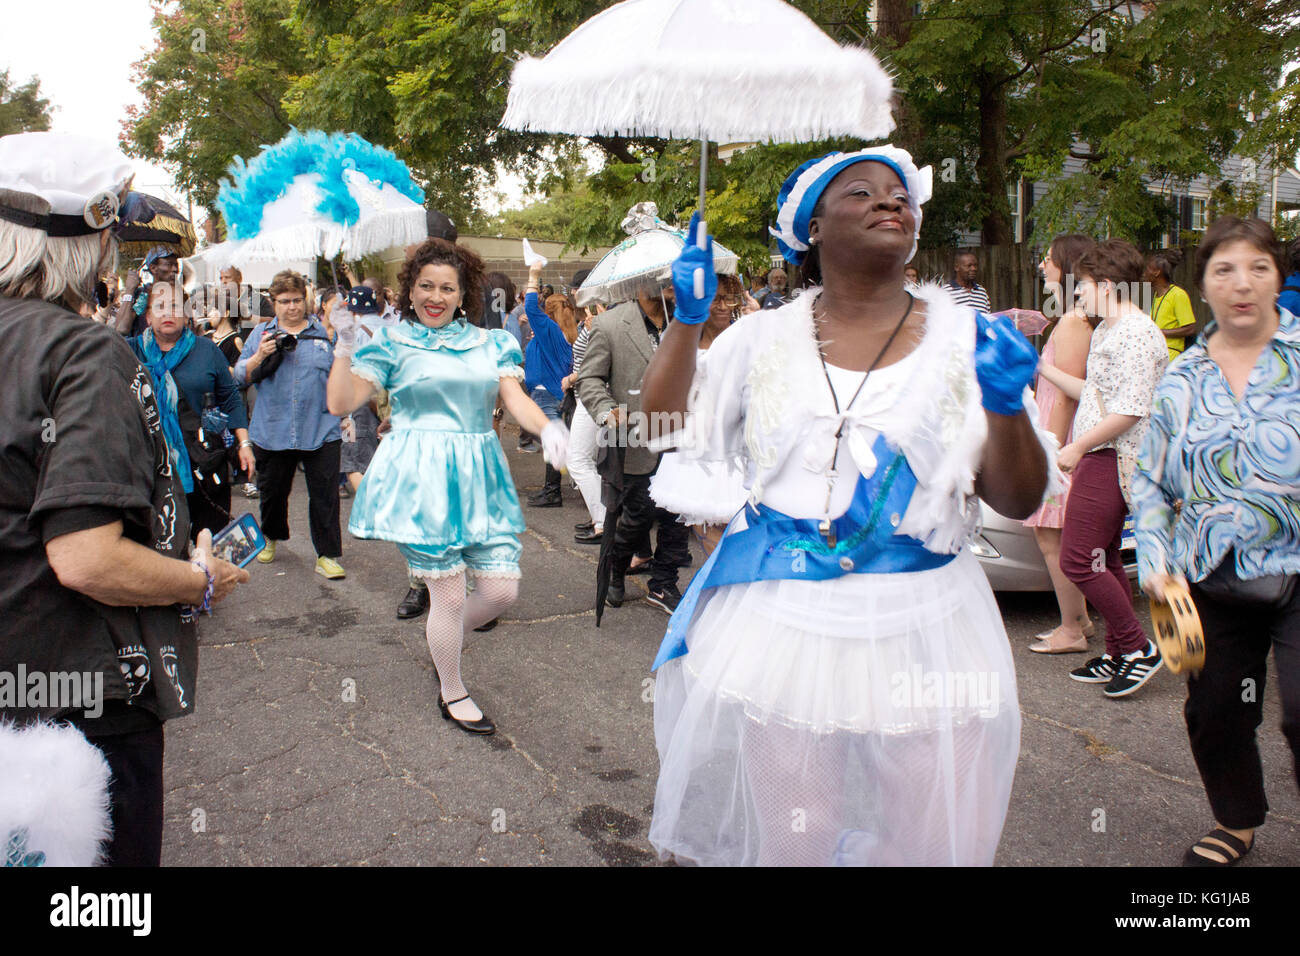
(826,527)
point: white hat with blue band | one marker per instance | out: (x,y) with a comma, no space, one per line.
(803,188)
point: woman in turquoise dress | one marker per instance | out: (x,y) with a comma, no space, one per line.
(439,485)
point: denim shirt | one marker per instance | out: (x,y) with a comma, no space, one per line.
(1234,465)
(290,410)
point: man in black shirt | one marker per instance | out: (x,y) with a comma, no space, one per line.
(93,523)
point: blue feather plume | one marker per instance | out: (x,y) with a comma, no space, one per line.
(254,185)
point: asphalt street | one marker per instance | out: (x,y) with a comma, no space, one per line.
(317,738)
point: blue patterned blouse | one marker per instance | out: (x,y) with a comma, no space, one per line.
(1234,465)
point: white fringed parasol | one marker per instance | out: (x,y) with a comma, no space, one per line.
(722,70)
(316,194)
(726,70)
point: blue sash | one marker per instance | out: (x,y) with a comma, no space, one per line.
(775,546)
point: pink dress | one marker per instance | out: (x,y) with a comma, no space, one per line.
(1051,514)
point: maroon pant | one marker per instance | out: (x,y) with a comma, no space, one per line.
(1090,543)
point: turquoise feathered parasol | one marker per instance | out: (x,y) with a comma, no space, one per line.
(319,194)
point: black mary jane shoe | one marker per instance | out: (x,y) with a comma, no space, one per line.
(488,626)
(480,726)
(414,604)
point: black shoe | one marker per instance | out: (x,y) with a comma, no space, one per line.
(1134,670)
(488,626)
(480,726)
(585,526)
(414,604)
(615,596)
(1099,670)
(589,537)
(666,600)
(544,499)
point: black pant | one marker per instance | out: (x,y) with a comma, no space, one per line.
(1225,702)
(135,789)
(275,480)
(209,504)
(632,536)
(551,486)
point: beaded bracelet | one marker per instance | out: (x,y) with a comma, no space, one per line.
(206,606)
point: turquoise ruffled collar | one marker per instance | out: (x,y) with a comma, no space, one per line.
(458,336)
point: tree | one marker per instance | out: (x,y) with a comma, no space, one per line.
(22,108)
(213,88)
(430,81)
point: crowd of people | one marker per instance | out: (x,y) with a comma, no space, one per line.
(836,427)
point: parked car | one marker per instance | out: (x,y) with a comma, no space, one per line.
(1010,557)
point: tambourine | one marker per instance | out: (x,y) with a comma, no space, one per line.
(1178,631)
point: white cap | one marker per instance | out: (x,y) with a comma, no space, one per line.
(80,179)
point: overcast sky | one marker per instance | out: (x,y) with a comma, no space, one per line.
(86,73)
(82,52)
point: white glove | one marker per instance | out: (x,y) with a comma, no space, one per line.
(555,445)
(345,324)
(531,258)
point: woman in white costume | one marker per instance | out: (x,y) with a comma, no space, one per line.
(836,685)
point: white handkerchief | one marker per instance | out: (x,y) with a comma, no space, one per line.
(531,258)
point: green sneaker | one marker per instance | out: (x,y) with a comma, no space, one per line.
(267,554)
(330,568)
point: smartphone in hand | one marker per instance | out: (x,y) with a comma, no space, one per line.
(240,541)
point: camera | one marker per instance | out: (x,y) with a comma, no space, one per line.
(284,341)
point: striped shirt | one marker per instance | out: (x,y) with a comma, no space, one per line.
(976,297)
(580,348)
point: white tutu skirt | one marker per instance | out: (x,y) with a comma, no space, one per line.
(868,720)
(698,492)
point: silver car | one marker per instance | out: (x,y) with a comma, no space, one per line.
(1010,557)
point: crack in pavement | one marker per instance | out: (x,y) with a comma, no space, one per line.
(256,763)
(1104,751)
(571,616)
(405,775)
(549,545)
(554,780)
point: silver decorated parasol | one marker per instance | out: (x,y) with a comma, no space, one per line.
(645,256)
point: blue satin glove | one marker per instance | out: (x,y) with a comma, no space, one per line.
(1005,363)
(694,281)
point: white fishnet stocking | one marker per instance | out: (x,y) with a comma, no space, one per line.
(451,616)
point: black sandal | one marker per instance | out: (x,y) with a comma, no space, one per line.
(1233,848)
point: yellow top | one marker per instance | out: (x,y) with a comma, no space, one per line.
(1171,311)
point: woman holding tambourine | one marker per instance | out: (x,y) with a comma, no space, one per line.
(1217,498)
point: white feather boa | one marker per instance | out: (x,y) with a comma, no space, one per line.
(54,802)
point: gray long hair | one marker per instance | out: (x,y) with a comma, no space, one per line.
(34,265)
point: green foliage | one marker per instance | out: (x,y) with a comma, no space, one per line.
(1013,87)
(999,88)
(22,108)
(212,86)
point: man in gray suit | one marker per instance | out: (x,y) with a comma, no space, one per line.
(609,385)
